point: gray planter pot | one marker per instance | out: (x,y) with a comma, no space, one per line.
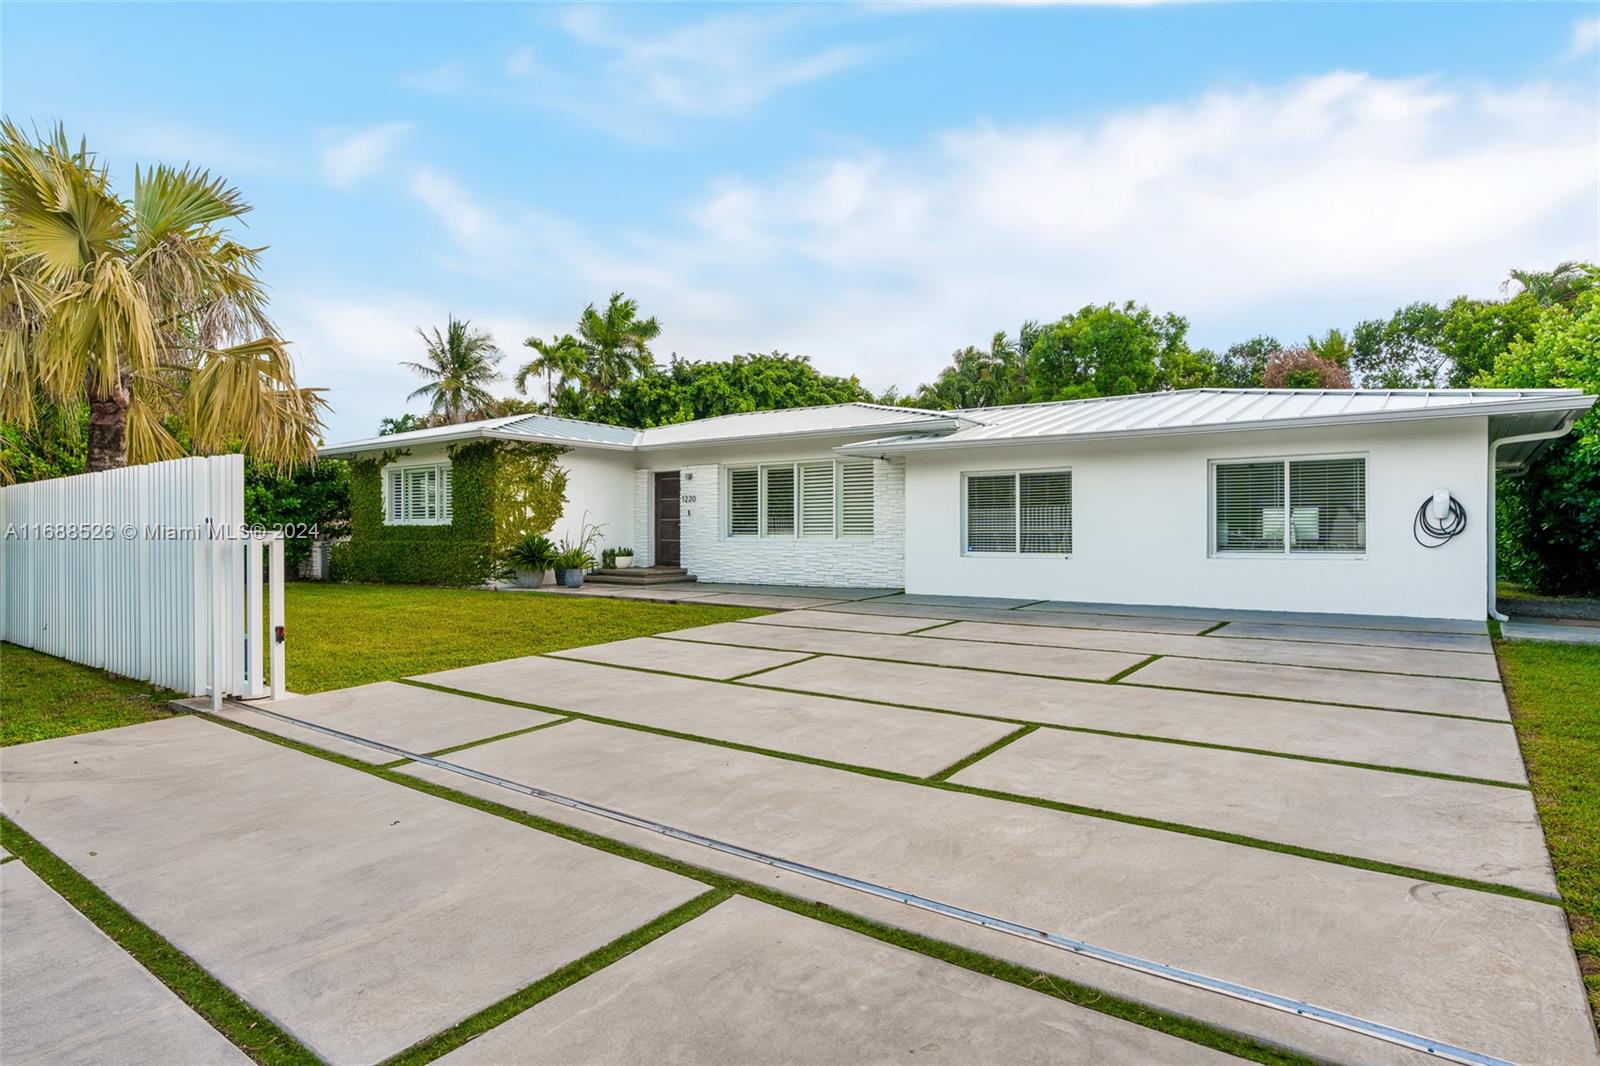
(530,579)
(572,578)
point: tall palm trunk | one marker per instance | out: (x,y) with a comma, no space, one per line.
(108,425)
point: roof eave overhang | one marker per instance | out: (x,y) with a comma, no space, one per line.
(1512,407)
(921,425)
(381,444)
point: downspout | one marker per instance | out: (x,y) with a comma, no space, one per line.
(1519,468)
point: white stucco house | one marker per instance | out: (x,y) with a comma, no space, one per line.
(1293,500)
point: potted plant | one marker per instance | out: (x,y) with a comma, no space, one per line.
(624,558)
(532,558)
(570,563)
(608,559)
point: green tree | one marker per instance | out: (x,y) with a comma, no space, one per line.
(406,423)
(686,390)
(976,377)
(1405,351)
(1243,365)
(1549,533)
(1332,346)
(616,343)
(1104,351)
(56,445)
(1561,284)
(1475,333)
(461,363)
(559,357)
(144,309)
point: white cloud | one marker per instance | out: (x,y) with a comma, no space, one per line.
(1286,208)
(361,154)
(1585,38)
(725,65)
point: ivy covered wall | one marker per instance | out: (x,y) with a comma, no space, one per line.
(499,492)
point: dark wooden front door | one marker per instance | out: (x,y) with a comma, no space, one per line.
(667,520)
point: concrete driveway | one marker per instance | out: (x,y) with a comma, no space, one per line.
(1332,810)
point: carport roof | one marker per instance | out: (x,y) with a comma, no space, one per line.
(1511,411)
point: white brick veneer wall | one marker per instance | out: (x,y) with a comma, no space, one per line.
(644,538)
(845,563)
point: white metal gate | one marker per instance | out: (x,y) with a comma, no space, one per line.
(148,572)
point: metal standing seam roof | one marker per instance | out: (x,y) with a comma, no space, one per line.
(908,429)
(792,422)
(798,421)
(1216,410)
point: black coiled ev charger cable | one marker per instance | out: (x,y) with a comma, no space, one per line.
(1453,524)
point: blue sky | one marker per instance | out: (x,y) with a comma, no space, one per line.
(873,185)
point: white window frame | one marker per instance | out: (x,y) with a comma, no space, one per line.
(445,507)
(1288,551)
(837,489)
(1016,503)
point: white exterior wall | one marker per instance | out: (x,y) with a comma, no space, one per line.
(711,555)
(1141,515)
(599,481)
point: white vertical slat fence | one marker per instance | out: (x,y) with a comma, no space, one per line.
(145,571)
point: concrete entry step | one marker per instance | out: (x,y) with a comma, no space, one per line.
(640,576)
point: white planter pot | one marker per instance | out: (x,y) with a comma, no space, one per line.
(624,561)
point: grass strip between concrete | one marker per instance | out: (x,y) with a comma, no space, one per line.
(1046,983)
(982,753)
(1182,742)
(249,1030)
(1411,872)
(496,1013)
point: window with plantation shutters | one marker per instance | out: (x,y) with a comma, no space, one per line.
(1289,506)
(855,498)
(417,495)
(820,498)
(744,502)
(817,492)
(777,509)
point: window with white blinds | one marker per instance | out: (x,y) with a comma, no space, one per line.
(417,495)
(1019,514)
(1293,506)
(819,498)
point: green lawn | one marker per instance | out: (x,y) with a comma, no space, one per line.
(43,697)
(342,635)
(1555,704)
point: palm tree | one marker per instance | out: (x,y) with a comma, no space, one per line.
(616,343)
(558,357)
(461,361)
(145,308)
(1555,286)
